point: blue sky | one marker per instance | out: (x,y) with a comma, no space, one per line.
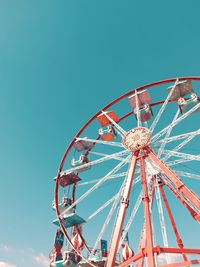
(60,62)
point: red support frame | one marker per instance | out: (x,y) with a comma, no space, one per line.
(194,199)
(142,253)
(122,212)
(182,200)
(147,215)
(178,238)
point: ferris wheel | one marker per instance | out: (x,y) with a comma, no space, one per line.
(127,188)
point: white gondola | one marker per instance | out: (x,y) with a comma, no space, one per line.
(186,104)
(140,104)
(107,133)
(81,162)
(83,144)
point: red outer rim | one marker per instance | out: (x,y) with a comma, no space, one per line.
(85,126)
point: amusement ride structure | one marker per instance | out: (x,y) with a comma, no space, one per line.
(127,188)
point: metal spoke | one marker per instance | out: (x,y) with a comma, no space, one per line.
(137,109)
(168,181)
(181,118)
(121,130)
(109,143)
(178,147)
(162,147)
(152,128)
(176,162)
(100,182)
(178,137)
(116,201)
(181,155)
(114,176)
(135,209)
(188,175)
(107,203)
(103,159)
(104,155)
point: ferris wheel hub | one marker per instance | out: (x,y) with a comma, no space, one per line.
(136,139)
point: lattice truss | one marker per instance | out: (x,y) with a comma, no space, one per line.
(127,187)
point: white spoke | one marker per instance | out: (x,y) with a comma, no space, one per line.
(177,148)
(181,118)
(114,176)
(160,151)
(176,162)
(135,209)
(160,211)
(107,203)
(116,201)
(109,143)
(121,130)
(99,183)
(162,108)
(146,124)
(94,162)
(168,181)
(137,109)
(188,175)
(179,137)
(105,155)
(181,155)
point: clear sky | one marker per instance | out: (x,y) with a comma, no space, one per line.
(61,61)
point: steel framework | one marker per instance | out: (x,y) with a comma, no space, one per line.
(147,155)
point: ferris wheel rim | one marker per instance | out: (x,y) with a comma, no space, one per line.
(193,78)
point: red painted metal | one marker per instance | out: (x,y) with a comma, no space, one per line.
(121,214)
(151,200)
(147,215)
(183,263)
(135,258)
(194,199)
(176,250)
(178,238)
(182,200)
(190,195)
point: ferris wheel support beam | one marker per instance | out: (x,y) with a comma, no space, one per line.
(147,215)
(182,200)
(143,233)
(159,249)
(184,263)
(134,259)
(122,212)
(178,238)
(194,199)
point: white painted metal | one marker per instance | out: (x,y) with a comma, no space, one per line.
(104,155)
(117,126)
(178,137)
(114,176)
(157,118)
(110,214)
(181,155)
(137,109)
(181,118)
(109,143)
(162,147)
(94,162)
(100,182)
(132,216)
